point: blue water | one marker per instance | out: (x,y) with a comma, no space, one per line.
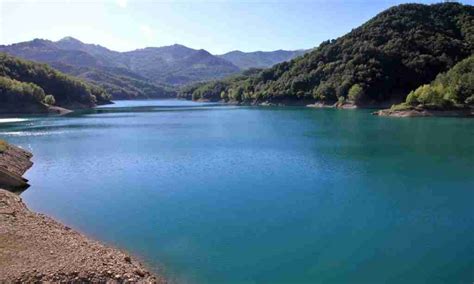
(206,193)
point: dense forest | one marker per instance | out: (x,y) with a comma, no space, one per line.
(450,90)
(382,61)
(29,86)
(218,89)
(177,64)
(118,82)
(260,59)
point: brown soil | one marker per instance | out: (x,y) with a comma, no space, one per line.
(35,248)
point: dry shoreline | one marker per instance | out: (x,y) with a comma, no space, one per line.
(384,109)
(36,248)
(425,113)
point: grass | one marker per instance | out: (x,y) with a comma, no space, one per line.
(3,146)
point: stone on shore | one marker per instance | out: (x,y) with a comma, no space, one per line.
(35,248)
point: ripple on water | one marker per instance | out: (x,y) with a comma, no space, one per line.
(31,133)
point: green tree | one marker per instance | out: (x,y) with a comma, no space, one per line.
(49,100)
(356,94)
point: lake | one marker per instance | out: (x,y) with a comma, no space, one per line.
(209,193)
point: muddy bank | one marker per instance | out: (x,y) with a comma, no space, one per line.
(35,248)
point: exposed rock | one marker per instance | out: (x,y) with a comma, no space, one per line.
(345,105)
(425,113)
(320,105)
(58,110)
(35,248)
(14,162)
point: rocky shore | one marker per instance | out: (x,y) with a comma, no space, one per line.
(35,248)
(425,113)
(14,162)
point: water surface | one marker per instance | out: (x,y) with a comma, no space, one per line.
(207,193)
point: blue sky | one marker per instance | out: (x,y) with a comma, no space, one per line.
(217,26)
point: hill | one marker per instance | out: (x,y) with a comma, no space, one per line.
(27,86)
(260,59)
(94,63)
(379,62)
(152,72)
(169,65)
(178,64)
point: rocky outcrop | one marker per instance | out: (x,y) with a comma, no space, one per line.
(58,110)
(35,248)
(14,162)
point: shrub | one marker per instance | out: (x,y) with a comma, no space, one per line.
(412,98)
(49,100)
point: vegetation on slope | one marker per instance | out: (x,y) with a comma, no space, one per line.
(178,64)
(143,73)
(260,59)
(20,95)
(119,82)
(398,50)
(230,88)
(25,84)
(93,63)
(450,90)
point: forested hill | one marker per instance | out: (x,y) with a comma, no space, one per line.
(93,63)
(177,64)
(152,72)
(27,86)
(383,60)
(260,59)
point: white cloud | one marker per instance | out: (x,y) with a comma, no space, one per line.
(147,32)
(122,3)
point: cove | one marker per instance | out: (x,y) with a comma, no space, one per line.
(210,193)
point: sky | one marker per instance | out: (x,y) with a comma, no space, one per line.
(218,26)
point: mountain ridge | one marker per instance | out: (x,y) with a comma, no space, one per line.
(261,59)
(159,68)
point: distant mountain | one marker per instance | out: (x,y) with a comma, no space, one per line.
(149,72)
(94,63)
(104,56)
(142,73)
(178,64)
(47,51)
(260,59)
